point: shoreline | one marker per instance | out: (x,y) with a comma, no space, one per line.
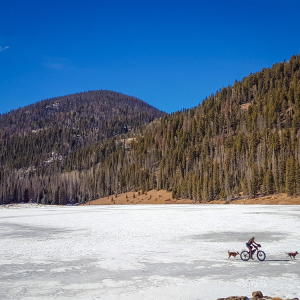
(164,197)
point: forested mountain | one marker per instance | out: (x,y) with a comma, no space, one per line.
(242,140)
(58,126)
(45,133)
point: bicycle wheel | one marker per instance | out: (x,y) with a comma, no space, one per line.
(245,255)
(261,255)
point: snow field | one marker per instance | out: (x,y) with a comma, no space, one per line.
(146,251)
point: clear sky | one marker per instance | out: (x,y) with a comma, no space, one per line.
(171,54)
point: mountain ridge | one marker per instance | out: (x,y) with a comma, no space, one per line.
(66,124)
(74,103)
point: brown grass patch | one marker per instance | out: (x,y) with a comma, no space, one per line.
(152,197)
(276,199)
(164,197)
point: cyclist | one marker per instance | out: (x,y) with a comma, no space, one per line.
(249,246)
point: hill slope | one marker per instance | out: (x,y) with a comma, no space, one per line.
(107,112)
(62,125)
(40,135)
(240,142)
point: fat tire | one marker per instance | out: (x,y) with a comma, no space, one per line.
(261,255)
(245,255)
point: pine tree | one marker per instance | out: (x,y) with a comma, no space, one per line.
(269,183)
(290,177)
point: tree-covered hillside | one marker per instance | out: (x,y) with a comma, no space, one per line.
(55,127)
(43,134)
(242,140)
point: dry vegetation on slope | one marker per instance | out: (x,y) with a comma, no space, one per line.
(275,199)
(164,197)
(151,197)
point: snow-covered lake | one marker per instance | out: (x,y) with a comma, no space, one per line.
(146,252)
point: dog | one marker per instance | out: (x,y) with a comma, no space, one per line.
(292,255)
(234,254)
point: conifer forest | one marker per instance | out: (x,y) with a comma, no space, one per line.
(243,140)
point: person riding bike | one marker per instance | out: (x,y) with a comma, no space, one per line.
(249,246)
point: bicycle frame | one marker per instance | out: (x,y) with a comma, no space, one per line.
(245,255)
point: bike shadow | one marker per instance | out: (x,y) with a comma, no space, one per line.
(277,260)
(270,260)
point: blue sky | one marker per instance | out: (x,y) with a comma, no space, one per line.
(171,54)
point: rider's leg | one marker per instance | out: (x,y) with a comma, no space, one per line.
(250,250)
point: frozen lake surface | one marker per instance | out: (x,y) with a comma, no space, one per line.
(146,252)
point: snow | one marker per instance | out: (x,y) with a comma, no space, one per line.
(146,251)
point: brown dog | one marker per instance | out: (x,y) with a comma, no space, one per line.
(292,255)
(234,254)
